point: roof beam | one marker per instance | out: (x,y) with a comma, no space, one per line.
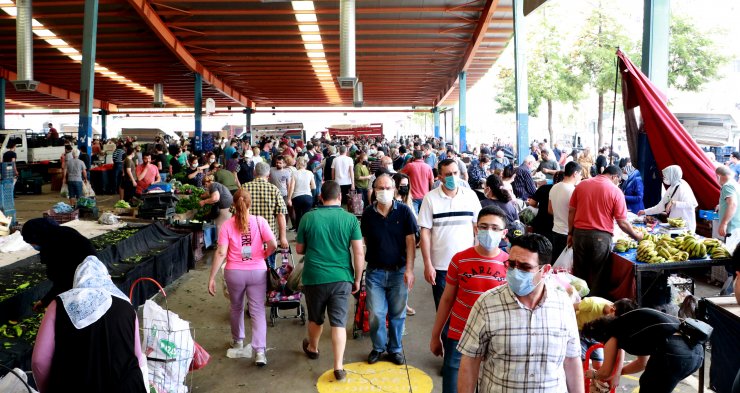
(149,15)
(480,33)
(323,11)
(57,92)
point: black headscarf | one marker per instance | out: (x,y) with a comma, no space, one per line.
(62,250)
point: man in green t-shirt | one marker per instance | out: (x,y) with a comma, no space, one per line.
(325,236)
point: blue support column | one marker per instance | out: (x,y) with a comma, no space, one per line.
(2,103)
(87,78)
(520,81)
(463,87)
(103,124)
(435,113)
(656,22)
(198,108)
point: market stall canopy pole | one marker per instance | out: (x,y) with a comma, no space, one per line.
(670,142)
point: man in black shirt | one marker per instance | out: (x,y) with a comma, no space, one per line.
(389,229)
(10,156)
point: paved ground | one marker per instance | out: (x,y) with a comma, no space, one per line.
(288,369)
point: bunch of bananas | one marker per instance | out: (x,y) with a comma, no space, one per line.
(676,222)
(660,249)
(696,248)
(716,249)
(624,245)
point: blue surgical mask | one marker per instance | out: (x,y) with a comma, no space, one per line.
(521,283)
(450,182)
(489,239)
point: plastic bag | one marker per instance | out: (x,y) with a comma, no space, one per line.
(222,279)
(565,260)
(15,381)
(108,218)
(64,192)
(87,190)
(169,346)
(295,280)
(356,205)
(200,358)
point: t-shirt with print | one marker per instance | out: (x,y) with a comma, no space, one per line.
(327,232)
(473,274)
(259,233)
(451,222)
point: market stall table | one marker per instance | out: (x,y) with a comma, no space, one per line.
(630,277)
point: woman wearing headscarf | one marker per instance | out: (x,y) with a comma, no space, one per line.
(632,187)
(89,340)
(61,249)
(678,201)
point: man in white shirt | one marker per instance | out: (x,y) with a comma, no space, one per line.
(343,173)
(446,220)
(558,206)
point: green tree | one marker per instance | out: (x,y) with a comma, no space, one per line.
(593,56)
(693,59)
(506,99)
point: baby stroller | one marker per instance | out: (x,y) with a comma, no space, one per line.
(284,298)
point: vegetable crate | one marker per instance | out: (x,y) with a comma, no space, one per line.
(61,218)
(122,211)
(168,344)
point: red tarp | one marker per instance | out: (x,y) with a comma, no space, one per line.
(670,142)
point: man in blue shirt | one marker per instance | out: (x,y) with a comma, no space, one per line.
(429,157)
(389,230)
(735,164)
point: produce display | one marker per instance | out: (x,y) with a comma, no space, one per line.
(18,281)
(192,202)
(25,329)
(676,222)
(112,237)
(663,248)
(122,205)
(624,245)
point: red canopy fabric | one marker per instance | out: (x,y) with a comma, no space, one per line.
(670,142)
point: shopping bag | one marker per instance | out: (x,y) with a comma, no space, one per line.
(64,192)
(15,381)
(565,260)
(355,203)
(222,280)
(273,278)
(200,358)
(295,280)
(87,190)
(168,346)
(732,240)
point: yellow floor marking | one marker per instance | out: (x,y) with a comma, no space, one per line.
(378,377)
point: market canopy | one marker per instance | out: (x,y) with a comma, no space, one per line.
(258,52)
(669,141)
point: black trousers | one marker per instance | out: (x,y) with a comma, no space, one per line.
(592,260)
(670,364)
(345,193)
(559,242)
(301,204)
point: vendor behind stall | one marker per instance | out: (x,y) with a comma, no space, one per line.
(217,194)
(61,249)
(678,201)
(146,173)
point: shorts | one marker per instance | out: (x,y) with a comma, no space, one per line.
(597,355)
(74,188)
(331,298)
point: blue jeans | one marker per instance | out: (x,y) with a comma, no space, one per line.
(386,295)
(417,204)
(438,290)
(450,366)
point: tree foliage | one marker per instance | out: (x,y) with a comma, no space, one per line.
(692,58)
(506,97)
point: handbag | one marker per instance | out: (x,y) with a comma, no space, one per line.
(695,331)
(355,203)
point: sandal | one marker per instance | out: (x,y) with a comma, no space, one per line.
(410,311)
(310,354)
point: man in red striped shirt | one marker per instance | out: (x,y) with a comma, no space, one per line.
(471,273)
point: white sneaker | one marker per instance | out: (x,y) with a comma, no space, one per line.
(260,360)
(237,344)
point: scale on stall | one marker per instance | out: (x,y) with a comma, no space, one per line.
(157,205)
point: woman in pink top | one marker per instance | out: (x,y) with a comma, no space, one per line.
(241,243)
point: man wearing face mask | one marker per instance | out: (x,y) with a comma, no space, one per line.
(539,348)
(388,229)
(594,206)
(500,162)
(471,273)
(447,219)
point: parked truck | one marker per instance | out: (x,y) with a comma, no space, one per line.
(30,148)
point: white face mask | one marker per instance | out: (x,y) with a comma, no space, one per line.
(212,160)
(385,197)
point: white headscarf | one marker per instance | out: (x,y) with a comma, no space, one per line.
(672,176)
(90,296)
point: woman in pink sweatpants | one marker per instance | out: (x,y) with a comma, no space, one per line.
(241,243)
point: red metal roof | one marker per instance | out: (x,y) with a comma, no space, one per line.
(409,52)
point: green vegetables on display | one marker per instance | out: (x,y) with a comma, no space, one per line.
(111,238)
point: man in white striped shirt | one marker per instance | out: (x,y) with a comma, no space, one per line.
(524,333)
